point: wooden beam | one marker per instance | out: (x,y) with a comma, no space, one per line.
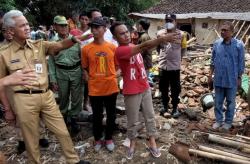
(245,32)
(243,24)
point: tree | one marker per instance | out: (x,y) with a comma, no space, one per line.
(43,11)
(7,5)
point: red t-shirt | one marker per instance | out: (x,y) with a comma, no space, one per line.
(133,71)
(76,32)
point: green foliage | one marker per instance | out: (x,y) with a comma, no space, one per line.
(43,11)
(7,5)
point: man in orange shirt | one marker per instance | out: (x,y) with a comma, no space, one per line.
(99,63)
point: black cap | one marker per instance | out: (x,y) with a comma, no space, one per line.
(170,16)
(99,21)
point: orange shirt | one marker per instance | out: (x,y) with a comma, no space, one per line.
(100,62)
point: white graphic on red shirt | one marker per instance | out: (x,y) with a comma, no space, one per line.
(136,67)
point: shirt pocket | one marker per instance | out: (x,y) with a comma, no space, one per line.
(15,66)
(74,54)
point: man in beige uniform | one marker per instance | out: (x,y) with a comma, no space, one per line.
(33,102)
(8,36)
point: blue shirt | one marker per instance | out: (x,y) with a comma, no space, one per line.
(228,62)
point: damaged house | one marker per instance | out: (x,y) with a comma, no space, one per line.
(201,19)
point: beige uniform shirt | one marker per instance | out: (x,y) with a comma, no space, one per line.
(3,44)
(14,57)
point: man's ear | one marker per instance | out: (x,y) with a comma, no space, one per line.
(11,30)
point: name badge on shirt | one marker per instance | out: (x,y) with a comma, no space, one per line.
(39,68)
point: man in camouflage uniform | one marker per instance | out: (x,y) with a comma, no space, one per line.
(66,75)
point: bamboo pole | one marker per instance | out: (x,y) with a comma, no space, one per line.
(246,42)
(245,32)
(217,157)
(236,139)
(191,40)
(233,21)
(245,150)
(240,29)
(227,142)
(237,23)
(195,56)
(211,150)
(244,137)
(217,33)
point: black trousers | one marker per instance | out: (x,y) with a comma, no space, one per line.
(170,79)
(98,103)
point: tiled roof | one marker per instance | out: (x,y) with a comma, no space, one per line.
(212,15)
(199,6)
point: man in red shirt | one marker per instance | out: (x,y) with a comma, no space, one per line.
(136,90)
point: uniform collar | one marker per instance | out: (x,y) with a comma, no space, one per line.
(17,46)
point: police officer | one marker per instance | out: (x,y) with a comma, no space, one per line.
(170,64)
(65,72)
(33,102)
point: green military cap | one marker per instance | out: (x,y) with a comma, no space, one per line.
(60,20)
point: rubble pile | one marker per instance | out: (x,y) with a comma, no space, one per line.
(192,128)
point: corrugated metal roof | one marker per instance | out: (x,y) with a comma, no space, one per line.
(212,15)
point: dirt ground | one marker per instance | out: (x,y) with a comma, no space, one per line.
(170,131)
(191,131)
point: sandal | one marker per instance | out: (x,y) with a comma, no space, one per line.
(155,152)
(130,153)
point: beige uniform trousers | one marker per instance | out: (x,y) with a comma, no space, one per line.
(29,109)
(10,94)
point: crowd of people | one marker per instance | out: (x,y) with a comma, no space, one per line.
(81,59)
